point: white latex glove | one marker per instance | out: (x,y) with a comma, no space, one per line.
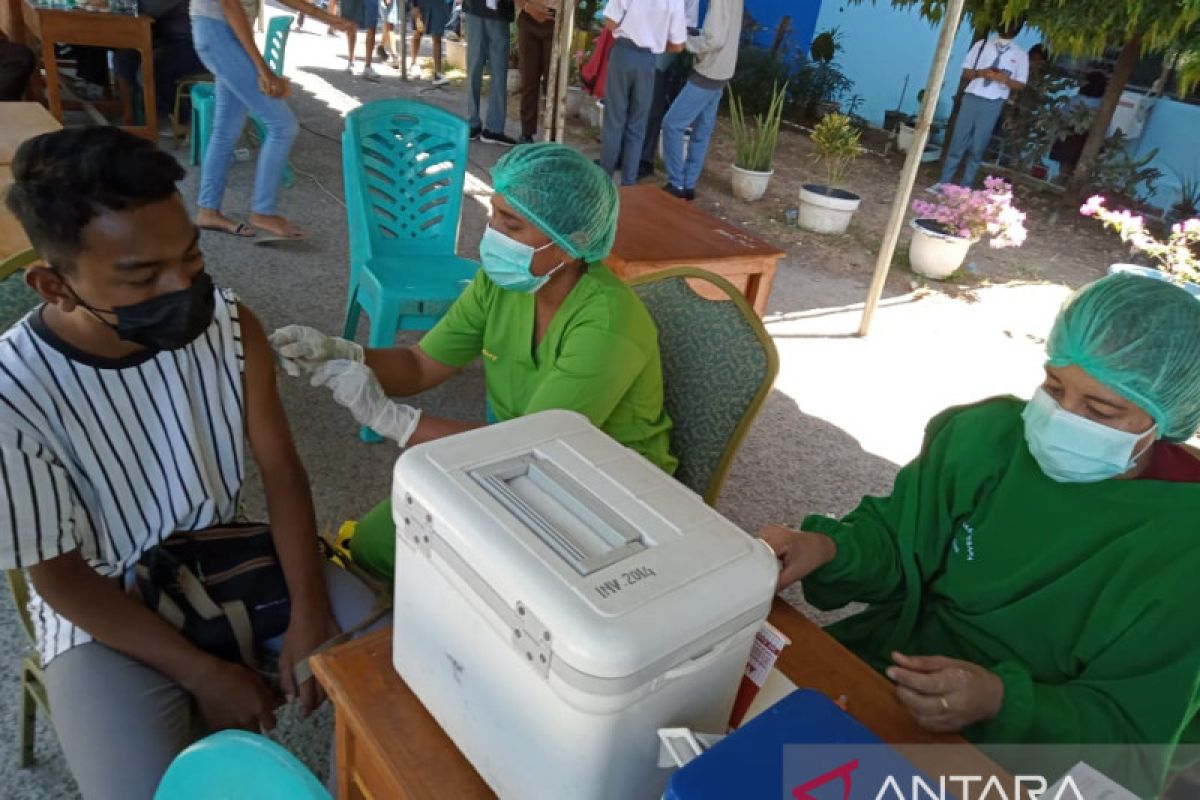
(302,349)
(355,386)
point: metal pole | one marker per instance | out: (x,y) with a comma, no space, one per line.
(560,65)
(908,175)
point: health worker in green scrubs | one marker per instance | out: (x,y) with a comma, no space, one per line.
(555,328)
(1034,577)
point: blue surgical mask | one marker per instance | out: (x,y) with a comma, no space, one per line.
(507,262)
(1074,449)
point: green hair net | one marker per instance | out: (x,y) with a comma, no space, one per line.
(564,194)
(1141,338)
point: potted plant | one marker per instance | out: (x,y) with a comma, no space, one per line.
(754,145)
(1188,204)
(946,227)
(574,99)
(824,208)
(1176,257)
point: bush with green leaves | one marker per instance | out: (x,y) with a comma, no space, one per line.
(836,143)
(754,140)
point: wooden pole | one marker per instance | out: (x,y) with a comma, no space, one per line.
(908,175)
(560,71)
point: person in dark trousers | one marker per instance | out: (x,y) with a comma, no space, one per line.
(487,26)
(716,51)
(535,40)
(995,69)
(671,72)
(174,55)
(642,29)
(17,63)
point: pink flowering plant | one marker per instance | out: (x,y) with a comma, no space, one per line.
(976,213)
(1176,256)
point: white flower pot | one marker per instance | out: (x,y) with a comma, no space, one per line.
(687,142)
(592,112)
(574,101)
(904,137)
(824,210)
(514,81)
(935,254)
(749,185)
(1151,272)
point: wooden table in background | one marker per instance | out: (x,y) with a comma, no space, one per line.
(18,122)
(115,31)
(656,231)
(389,747)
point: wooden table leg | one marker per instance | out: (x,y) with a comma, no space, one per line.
(149,96)
(343,764)
(53,88)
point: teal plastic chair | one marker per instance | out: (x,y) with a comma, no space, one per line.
(718,364)
(236,765)
(204,102)
(404,165)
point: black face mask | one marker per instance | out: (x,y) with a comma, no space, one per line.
(167,322)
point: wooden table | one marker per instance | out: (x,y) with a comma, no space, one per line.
(116,31)
(657,231)
(390,748)
(18,122)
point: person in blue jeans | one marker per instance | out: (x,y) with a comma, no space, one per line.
(642,30)
(224,40)
(487,25)
(996,70)
(716,51)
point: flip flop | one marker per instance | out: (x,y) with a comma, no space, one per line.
(275,238)
(241,230)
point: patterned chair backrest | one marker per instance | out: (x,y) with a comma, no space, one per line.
(718,365)
(16,298)
(405,163)
(275,42)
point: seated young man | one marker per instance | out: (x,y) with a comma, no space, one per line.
(124,400)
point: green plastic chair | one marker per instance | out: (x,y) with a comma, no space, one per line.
(404,165)
(16,298)
(718,366)
(33,686)
(204,100)
(237,765)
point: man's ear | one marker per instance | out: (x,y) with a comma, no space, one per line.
(51,287)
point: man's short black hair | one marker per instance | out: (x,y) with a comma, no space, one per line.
(62,180)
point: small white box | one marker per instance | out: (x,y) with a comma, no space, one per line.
(559,599)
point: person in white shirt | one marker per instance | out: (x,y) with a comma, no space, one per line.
(642,29)
(995,70)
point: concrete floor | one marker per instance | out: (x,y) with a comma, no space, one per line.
(844,412)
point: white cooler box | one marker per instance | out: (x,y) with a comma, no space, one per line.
(559,599)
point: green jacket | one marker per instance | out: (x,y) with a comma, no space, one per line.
(1083,598)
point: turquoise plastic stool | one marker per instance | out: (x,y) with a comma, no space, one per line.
(236,765)
(274,51)
(404,164)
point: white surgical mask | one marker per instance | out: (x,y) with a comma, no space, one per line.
(1073,449)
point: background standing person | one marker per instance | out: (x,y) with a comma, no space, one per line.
(364,14)
(642,29)
(716,50)
(535,41)
(175,57)
(487,24)
(670,74)
(224,40)
(434,15)
(1005,70)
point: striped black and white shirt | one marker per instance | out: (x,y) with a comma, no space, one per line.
(110,457)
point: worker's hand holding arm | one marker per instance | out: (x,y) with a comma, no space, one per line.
(303,349)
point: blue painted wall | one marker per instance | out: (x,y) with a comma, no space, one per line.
(883,45)
(769,13)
